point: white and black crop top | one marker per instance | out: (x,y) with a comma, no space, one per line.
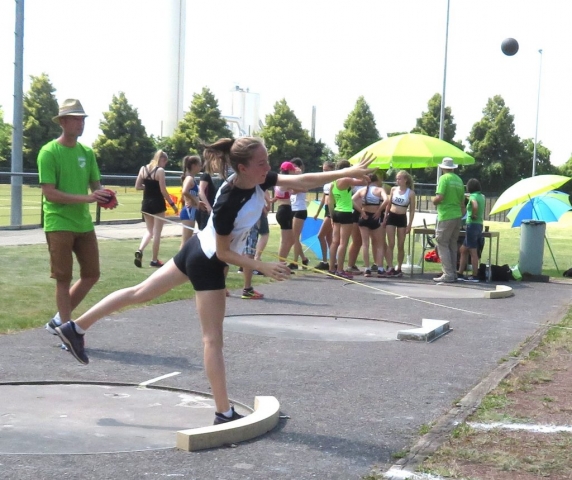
(401,200)
(235,211)
(369,198)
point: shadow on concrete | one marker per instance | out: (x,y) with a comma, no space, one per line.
(136,358)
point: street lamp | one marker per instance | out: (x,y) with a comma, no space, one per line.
(537,109)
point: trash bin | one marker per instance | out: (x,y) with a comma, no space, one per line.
(531,247)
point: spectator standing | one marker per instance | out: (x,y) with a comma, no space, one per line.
(299,216)
(474,232)
(189,196)
(342,211)
(151,179)
(371,201)
(207,193)
(401,199)
(67,171)
(450,202)
(325,232)
(284,213)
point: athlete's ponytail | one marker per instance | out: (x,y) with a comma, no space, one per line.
(228,152)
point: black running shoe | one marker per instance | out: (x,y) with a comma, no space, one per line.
(138,258)
(322,266)
(293,266)
(73,340)
(220,418)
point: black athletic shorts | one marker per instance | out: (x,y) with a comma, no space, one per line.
(398,220)
(203,272)
(284,217)
(301,214)
(370,222)
(355,216)
(345,218)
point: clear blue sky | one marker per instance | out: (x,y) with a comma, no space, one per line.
(312,53)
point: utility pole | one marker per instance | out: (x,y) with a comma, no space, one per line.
(18,119)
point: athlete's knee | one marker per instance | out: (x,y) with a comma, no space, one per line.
(213,340)
(91,279)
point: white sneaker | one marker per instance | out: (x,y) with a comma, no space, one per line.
(444,279)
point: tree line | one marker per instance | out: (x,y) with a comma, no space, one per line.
(501,156)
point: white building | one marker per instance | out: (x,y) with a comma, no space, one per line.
(244,116)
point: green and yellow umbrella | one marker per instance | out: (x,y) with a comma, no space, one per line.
(412,150)
(526,189)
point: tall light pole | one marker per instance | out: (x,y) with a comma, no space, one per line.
(18,115)
(537,109)
(442,115)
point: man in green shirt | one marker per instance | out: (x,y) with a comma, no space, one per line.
(66,170)
(450,202)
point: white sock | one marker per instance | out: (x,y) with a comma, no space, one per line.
(57,319)
(228,414)
(78,329)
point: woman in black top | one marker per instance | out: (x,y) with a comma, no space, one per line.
(151,180)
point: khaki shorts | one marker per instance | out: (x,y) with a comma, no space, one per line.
(62,244)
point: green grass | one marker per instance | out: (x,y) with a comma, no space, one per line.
(129,207)
(27,293)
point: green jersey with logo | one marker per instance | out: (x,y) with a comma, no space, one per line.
(71,170)
(451,187)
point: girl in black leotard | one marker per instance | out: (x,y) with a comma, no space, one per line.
(151,180)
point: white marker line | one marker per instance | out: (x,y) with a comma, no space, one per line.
(398,474)
(521,426)
(154,380)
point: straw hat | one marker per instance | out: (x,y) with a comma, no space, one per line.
(70,107)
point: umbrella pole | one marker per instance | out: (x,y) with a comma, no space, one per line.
(551,253)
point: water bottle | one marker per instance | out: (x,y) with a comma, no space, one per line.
(488,273)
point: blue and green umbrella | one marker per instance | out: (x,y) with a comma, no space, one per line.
(547,207)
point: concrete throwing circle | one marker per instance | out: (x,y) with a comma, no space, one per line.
(421,290)
(315,327)
(75,418)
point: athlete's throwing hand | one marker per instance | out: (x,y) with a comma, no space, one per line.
(277,271)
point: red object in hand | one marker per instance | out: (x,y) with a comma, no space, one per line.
(111,201)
